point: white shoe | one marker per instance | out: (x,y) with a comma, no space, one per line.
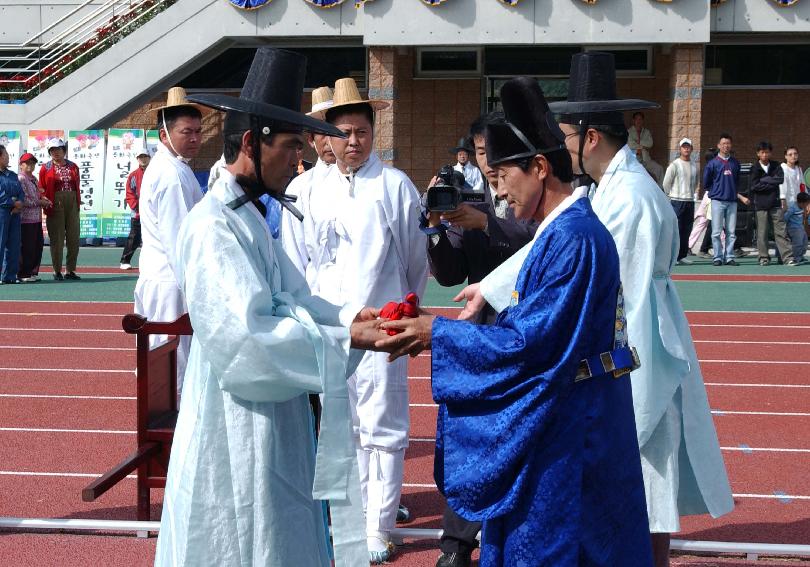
(685,262)
(126,266)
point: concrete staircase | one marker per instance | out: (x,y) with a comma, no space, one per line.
(166,49)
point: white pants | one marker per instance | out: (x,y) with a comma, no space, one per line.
(378,397)
(163,301)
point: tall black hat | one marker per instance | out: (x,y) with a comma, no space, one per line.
(271,94)
(530,128)
(592,92)
(463,145)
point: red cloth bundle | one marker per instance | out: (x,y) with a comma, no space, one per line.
(394,311)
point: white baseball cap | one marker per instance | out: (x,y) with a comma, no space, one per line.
(684,141)
(56,143)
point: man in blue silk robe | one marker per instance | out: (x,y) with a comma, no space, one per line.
(536,436)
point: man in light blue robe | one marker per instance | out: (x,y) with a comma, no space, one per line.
(535,435)
(244,480)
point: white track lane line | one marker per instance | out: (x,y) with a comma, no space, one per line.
(116,349)
(431,440)
(714,411)
(753,342)
(757,385)
(750,327)
(64,302)
(64,314)
(50,430)
(74,330)
(58,474)
(101,371)
(66,397)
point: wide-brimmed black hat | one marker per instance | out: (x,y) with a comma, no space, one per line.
(463,145)
(592,92)
(530,128)
(272,93)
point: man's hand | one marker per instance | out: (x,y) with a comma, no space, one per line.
(466,217)
(475,302)
(744,200)
(367,314)
(413,336)
(365,333)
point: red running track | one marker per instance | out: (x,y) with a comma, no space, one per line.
(68,412)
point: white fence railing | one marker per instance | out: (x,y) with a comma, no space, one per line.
(28,68)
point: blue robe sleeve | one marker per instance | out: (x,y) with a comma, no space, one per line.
(500,387)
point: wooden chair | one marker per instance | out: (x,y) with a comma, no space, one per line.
(156,407)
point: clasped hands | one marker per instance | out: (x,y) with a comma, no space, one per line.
(413,335)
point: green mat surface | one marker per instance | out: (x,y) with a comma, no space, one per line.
(695,295)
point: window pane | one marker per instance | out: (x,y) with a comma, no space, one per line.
(528,60)
(449,61)
(758,65)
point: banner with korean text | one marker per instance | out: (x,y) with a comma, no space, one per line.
(11,141)
(122,148)
(86,150)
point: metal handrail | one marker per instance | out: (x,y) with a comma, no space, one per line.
(32,67)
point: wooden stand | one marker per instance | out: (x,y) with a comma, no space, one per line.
(157,411)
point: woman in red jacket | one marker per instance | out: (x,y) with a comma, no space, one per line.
(60,179)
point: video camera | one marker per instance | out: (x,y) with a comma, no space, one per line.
(450,191)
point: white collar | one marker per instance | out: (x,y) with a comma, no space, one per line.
(578,193)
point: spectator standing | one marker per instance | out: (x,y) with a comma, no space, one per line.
(31,221)
(133,183)
(640,141)
(720,180)
(794,178)
(680,185)
(11,204)
(797,227)
(472,175)
(766,178)
(60,180)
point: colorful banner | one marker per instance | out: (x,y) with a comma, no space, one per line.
(122,148)
(11,141)
(249,4)
(86,150)
(152,141)
(38,145)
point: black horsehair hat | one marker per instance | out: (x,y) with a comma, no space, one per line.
(464,145)
(529,129)
(272,94)
(592,92)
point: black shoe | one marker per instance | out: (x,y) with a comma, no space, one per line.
(403,514)
(717,263)
(455,559)
(731,263)
(72,276)
(58,276)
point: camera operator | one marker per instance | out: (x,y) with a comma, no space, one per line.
(480,236)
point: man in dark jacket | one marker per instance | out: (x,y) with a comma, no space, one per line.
(766,177)
(479,238)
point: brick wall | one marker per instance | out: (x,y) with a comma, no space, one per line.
(430,116)
(754,115)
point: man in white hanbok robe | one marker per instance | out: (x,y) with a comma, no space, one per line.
(168,192)
(472,175)
(640,140)
(363,245)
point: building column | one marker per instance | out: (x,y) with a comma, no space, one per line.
(381,80)
(686,97)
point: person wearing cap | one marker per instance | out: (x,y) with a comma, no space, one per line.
(369,250)
(535,434)
(244,477)
(169,190)
(11,205)
(683,468)
(60,180)
(640,140)
(31,228)
(472,175)
(680,185)
(133,192)
(298,238)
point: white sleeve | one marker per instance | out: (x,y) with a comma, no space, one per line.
(670,178)
(171,206)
